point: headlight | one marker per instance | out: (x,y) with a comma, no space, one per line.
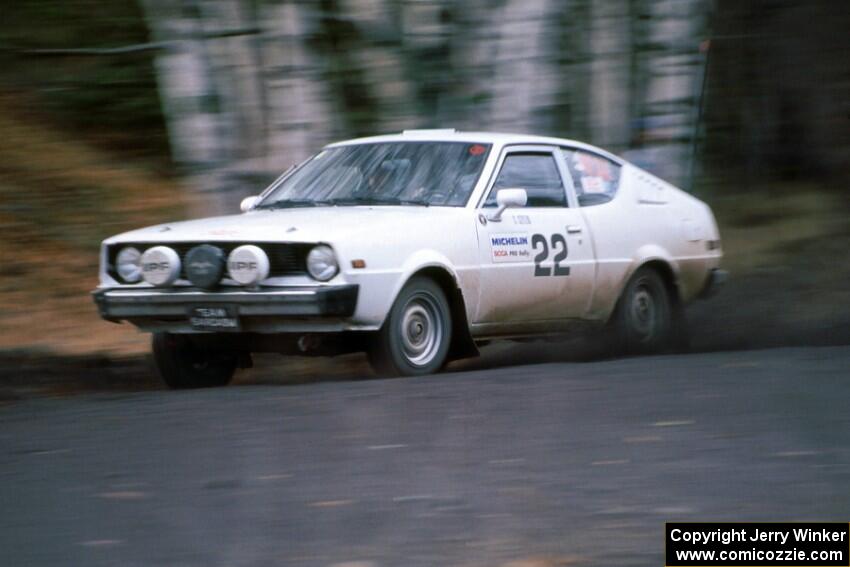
(204,265)
(160,266)
(248,265)
(128,264)
(321,263)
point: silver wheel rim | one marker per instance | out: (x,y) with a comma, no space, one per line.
(421,329)
(644,313)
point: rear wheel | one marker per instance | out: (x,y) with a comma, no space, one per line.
(416,336)
(644,316)
(182,364)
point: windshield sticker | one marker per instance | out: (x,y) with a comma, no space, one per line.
(510,247)
(477,150)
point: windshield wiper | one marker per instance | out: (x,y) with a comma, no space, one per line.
(377,201)
(414,202)
(348,201)
(292,203)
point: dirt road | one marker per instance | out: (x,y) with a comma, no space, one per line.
(560,463)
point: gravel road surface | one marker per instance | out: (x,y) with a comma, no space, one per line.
(532,465)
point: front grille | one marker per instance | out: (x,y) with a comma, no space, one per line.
(288,259)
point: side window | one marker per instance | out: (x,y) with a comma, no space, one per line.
(536,173)
(596,178)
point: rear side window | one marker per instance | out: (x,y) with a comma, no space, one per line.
(536,173)
(596,178)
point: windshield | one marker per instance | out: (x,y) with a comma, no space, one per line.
(392,173)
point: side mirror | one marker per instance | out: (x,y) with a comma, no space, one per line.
(505,198)
(249,203)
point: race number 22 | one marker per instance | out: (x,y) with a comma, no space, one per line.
(559,246)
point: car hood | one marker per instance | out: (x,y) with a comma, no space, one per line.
(310,224)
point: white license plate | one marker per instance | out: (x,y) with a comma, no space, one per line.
(214,318)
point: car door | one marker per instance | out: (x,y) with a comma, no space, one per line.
(613,222)
(536,262)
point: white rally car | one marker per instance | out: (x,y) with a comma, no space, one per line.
(414,248)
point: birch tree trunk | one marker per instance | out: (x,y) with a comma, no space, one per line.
(524,79)
(609,71)
(298,118)
(187,93)
(668,67)
(251,86)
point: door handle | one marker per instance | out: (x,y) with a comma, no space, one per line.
(573,229)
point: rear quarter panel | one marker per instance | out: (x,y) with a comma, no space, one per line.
(649,220)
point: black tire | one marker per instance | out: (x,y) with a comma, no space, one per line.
(183,365)
(416,336)
(644,316)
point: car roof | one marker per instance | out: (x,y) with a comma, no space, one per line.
(452,135)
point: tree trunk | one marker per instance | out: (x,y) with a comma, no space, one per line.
(251,86)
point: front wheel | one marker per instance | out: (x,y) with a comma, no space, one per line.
(183,365)
(416,336)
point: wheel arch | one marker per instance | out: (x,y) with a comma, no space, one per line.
(664,267)
(463,346)
(660,260)
(667,271)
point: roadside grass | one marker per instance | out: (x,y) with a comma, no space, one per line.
(58,199)
(762,227)
(786,248)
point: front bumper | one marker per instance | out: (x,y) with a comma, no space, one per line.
(140,304)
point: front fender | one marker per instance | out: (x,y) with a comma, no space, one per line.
(419,261)
(416,262)
(379,288)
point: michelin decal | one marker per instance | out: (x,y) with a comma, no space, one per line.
(510,247)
